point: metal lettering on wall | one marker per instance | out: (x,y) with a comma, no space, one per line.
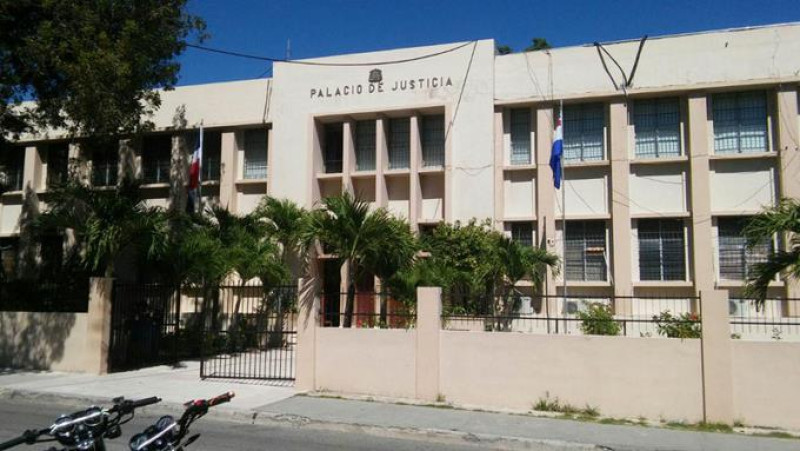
(412,84)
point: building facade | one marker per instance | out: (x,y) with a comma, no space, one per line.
(659,176)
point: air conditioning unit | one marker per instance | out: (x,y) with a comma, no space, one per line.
(525,307)
(573,306)
(741,307)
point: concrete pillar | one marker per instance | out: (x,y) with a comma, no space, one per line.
(348,155)
(621,270)
(307,322)
(788,149)
(381,163)
(716,357)
(98,325)
(429,312)
(78,163)
(228,171)
(32,170)
(179,173)
(545,191)
(701,248)
(415,160)
(499,163)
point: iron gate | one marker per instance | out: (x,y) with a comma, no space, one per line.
(250,333)
(145,326)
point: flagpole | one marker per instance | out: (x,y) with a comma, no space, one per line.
(563,204)
(200,172)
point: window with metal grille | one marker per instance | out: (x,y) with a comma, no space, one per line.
(584,132)
(156,159)
(333,150)
(57,164)
(12,170)
(255,154)
(740,122)
(662,248)
(399,144)
(520,125)
(365,145)
(105,166)
(586,250)
(522,233)
(432,132)
(736,260)
(657,126)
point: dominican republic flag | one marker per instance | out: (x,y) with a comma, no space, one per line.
(194,176)
(556,153)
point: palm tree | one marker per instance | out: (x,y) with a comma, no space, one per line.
(782,220)
(106,222)
(395,256)
(288,224)
(516,263)
(350,230)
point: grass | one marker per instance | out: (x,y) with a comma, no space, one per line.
(547,404)
(701,426)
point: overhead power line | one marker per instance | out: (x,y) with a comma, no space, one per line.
(317,63)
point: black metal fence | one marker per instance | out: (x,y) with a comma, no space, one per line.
(249,332)
(45,295)
(775,319)
(638,316)
(145,326)
(370,310)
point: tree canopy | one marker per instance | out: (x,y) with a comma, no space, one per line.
(93,67)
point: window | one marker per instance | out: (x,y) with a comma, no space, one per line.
(584,132)
(520,125)
(212,152)
(12,165)
(105,166)
(399,138)
(657,124)
(51,252)
(156,159)
(365,145)
(586,250)
(735,259)
(661,249)
(334,148)
(255,154)
(432,136)
(522,233)
(9,256)
(57,164)
(740,122)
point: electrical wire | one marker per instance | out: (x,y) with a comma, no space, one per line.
(319,63)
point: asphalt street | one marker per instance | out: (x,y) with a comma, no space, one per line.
(16,416)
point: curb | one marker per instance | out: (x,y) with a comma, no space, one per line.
(270,419)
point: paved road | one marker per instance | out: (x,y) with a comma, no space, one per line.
(17,416)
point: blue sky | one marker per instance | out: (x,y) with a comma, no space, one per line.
(330,27)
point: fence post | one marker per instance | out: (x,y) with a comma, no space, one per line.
(716,357)
(429,314)
(307,322)
(98,324)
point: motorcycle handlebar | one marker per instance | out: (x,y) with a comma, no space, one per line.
(145,402)
(28,436)
(221,399)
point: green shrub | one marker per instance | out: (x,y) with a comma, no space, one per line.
(598,319)
(685,325)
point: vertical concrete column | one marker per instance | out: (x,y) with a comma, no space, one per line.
(381,162)
(79,162)
(499,163)
(179,173)
(789,153)
(701,248)
(130,158)
(716,356)
(32,169)
(98,325)
(307,322)
(228,171)
(449,125)
(620,211)
(545,191)
(270,155)
(415,160)
(429,312)
(348,155)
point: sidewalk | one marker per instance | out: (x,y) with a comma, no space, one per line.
(275,405)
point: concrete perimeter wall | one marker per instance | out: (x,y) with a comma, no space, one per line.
(623,377)
(60,341)
(715,379)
